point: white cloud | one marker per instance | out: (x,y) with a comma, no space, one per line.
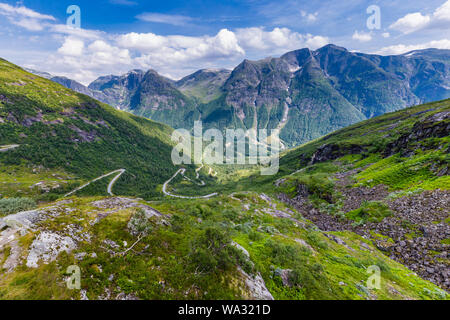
(84,60)
(6,9)
(416,21)
(24,17)
(176,20)
(386,34)
(141,41)
(402,48)
(411,22)
(443,12)
(310,17)
(315,42)
(362,36)
(29,24)
(180,53)
(72,47)
(278,40)
(182,48)
(106,54)
(77,32)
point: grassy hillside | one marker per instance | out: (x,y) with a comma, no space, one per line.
(202,249)
(66,138)
(414,136)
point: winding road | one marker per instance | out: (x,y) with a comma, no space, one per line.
(210,172)
(167,193)
(8,147)
(197,176)
(122,171)
(110,186)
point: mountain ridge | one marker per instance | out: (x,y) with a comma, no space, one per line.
(307,93)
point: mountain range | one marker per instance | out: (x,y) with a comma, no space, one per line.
(85,184)
(305,93)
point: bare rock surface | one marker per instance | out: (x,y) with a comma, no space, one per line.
(120,203)
(28,219)
(47,246)
(14,257)
(256,286)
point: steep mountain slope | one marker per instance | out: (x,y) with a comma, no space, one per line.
(157,98)
(330,88)
(205,84)
(75,86)
(42,74)
(66,138)
(78,87)
(304,93)
(119,89)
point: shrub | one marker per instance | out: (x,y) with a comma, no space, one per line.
(286,255)
(370,211)
(255,236)
(14,205)
(140,224)
(311,280)
(212,251)
(316,240)
(318,185)
(302,276)
(202,211)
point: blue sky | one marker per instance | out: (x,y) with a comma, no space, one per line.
(178,37)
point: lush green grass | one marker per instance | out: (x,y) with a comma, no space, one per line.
(192,258)
(405,173)
(370,212)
